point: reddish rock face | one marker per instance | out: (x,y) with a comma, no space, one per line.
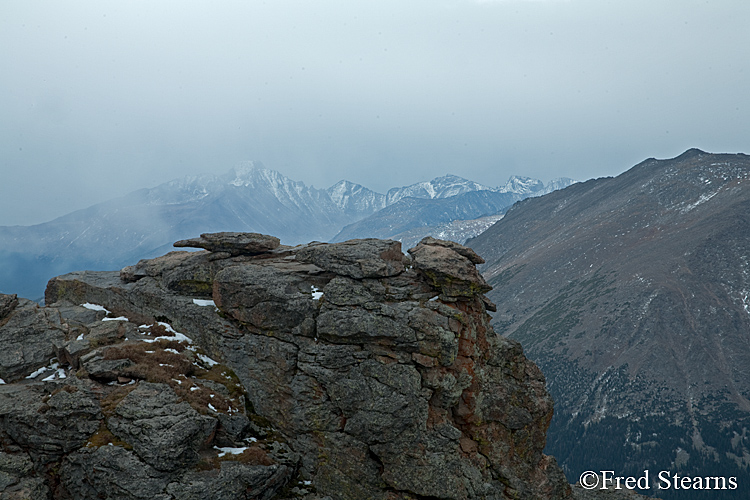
(381,371)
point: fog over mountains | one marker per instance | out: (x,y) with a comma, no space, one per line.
(251,198)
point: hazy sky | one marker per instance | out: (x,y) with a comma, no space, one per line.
(99,98)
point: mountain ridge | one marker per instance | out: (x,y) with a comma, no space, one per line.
(249,197)
(409,220)
(630,292)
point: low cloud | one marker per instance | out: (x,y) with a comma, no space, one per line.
(106,97)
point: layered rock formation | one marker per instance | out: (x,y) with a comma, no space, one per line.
(336,371)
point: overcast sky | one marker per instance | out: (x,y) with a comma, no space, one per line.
(99,98)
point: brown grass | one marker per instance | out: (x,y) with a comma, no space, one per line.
(157,330)
(200,398)
(152,362)
(103,437)
(225,376)
(111,400)
(254,455)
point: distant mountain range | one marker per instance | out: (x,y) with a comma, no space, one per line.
(422,209)
(250,198)
(632,295)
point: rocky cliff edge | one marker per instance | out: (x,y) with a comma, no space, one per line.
(255,370)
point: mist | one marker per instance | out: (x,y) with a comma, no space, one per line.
(102,98)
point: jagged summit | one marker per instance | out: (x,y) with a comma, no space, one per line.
(522,185)
(244,172)
(355,197)
(439,187)
(428,208)
(690,153)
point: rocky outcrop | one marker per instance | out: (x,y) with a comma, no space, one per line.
(233,243)
(324,371)
(93,406)
(7,304)
(28,336)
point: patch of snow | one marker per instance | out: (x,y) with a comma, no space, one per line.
(38,372)
(2,382)
(203,303)
(95,307)
(703,198)
(59,374)
(211,407)
(207,360)
(169,349)
(119,318)
(316,295)
(80,337)
(434,298)
(229,450)
(179,337)
(194,388)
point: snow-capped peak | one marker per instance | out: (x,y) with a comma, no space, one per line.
(245,171)
(439,187)
(350,196)
(522,185)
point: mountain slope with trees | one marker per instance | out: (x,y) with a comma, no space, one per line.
(631,293)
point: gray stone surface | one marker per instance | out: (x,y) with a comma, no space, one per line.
(234,481)
(368,258)
(48,420)
(164,433)
(264,297)
(233,243)
(467,252)
(18,480)
(112,473)
(450,271)
(28,338)
(7,304)
(105,370)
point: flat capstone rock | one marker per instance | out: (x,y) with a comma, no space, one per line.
(232,243)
